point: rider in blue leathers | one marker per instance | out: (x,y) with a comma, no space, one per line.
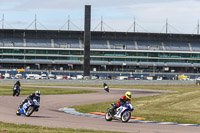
(35,95)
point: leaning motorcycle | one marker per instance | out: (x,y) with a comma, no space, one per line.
(28,108)
(122,113)
(106,88)
(16,90)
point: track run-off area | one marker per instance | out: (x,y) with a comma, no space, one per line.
(50,116)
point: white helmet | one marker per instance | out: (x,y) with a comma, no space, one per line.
(37,93)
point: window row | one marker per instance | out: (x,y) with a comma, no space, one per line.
(98,59)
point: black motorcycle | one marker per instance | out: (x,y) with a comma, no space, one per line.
(16,90)
(106,88)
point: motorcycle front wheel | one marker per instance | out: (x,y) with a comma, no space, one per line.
(108,117)
(29,111)
(14,93)
(126,116)
(18,93)
(17,113)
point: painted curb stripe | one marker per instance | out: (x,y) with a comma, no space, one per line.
(74,112)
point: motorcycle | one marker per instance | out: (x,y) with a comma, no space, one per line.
(28,108)
(122,113)
(106,88)
(16,90)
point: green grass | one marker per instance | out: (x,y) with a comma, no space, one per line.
(7,90)
(14,128)
(182,106)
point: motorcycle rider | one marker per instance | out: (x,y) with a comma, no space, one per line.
(35,95)
(125,98)
(17,85)
(106,88)
(104,84)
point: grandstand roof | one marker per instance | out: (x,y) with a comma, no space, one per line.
(36,34)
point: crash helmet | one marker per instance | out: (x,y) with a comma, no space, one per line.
(37,93)
(18,82)
(128,95)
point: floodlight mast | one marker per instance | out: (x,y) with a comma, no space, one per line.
(68,21)
(134,25)
(3,21)
(101,23)
(198,27)
(166,26)
(35,22)
(87,39)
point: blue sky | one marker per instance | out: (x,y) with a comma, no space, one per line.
(150,15)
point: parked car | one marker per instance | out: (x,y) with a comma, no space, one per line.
(52,76)
(30,76)
(44,76)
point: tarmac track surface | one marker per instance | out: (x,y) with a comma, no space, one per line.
(49,116)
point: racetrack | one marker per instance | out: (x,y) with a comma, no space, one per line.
(49,115)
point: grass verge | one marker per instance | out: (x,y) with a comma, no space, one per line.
(7,90)
(182,106)
(14,128)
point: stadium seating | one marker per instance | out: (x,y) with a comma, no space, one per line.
(122,44)
(66,43)
(11,42)
(149,45)
(195,46)
(99,44)
(44,43)
(176,46)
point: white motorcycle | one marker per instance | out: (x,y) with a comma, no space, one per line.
(122,113)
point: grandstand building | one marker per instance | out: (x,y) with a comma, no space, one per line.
(110,51)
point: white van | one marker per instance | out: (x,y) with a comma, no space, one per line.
(79,77)
(59,76)
(122,78)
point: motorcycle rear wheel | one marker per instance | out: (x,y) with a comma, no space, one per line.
(108,117)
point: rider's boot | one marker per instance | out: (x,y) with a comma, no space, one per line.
(112,111)
(22,103)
